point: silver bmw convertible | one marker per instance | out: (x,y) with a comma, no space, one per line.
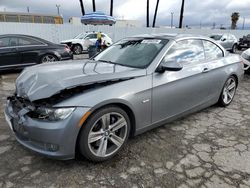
(93,106)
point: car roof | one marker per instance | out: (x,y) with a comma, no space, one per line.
(29,36)
(172,36)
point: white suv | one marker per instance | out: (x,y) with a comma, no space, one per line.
(82,41)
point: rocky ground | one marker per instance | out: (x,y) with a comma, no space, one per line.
(210,148)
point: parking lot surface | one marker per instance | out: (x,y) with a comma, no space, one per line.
(210,148)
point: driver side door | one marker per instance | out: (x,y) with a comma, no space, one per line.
(176,92)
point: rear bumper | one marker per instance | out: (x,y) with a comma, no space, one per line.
(52,139)
(66,56)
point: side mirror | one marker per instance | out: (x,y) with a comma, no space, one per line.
(169,66)
(223,39)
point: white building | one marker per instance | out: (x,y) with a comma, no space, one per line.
(128,23)
(75,20)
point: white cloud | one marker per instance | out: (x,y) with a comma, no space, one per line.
(196,11)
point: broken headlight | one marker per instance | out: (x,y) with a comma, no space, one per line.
(52,114)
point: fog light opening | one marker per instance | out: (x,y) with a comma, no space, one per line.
(52,147)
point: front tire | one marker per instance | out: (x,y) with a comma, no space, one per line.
(228,92)
(77,49)
(104,134)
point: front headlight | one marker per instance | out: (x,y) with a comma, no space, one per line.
(53,114)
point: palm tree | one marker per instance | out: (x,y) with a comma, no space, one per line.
(147,17)
(93,3)
(82,7)
(234,18)
(181,14)
(111,7)
(156,9)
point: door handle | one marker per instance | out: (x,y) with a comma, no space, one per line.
(205,70)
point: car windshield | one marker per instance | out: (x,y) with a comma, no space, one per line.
(137,53)
(216,37)
(80,36)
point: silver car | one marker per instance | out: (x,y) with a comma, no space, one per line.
(227,40)
(93,106)
(246,59)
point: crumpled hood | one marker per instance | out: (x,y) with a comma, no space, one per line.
(43,81)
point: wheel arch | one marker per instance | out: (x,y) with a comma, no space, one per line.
(47,53)
(236,78)
(119,104)
(77,43)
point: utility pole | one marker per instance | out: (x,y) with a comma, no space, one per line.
(243,26)
(58,9)
(28,9)
(181,13)
(214,24)
(147,18)
(156,9)
(172,19)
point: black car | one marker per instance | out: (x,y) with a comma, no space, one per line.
(244,42)
(18,51)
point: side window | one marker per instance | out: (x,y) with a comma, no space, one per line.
(92,36)
(4,42)
(28,41)
(186,52)
(13,41)
(212,51)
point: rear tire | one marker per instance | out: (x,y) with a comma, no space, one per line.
(228,92)
(104,134)
(233,50)
(48,58)
(77,49)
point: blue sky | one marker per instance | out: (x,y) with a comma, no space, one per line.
(205,12)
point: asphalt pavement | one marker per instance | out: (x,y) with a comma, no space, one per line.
(210,148)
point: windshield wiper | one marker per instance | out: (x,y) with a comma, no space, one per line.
(111,62)
(105,61)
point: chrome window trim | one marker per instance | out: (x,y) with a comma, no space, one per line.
(43,44)
(21,46)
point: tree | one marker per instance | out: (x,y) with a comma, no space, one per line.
(111,7)
(181,14)
(234,18)
(93,3)
(147,16)
(82,7)
(156,10)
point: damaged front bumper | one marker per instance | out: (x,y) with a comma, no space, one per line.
(56,139)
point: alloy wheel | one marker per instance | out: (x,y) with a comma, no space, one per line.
(229,90)
(108,134)
(77,49)
(48,58)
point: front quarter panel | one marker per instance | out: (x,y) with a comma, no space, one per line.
(134,93)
